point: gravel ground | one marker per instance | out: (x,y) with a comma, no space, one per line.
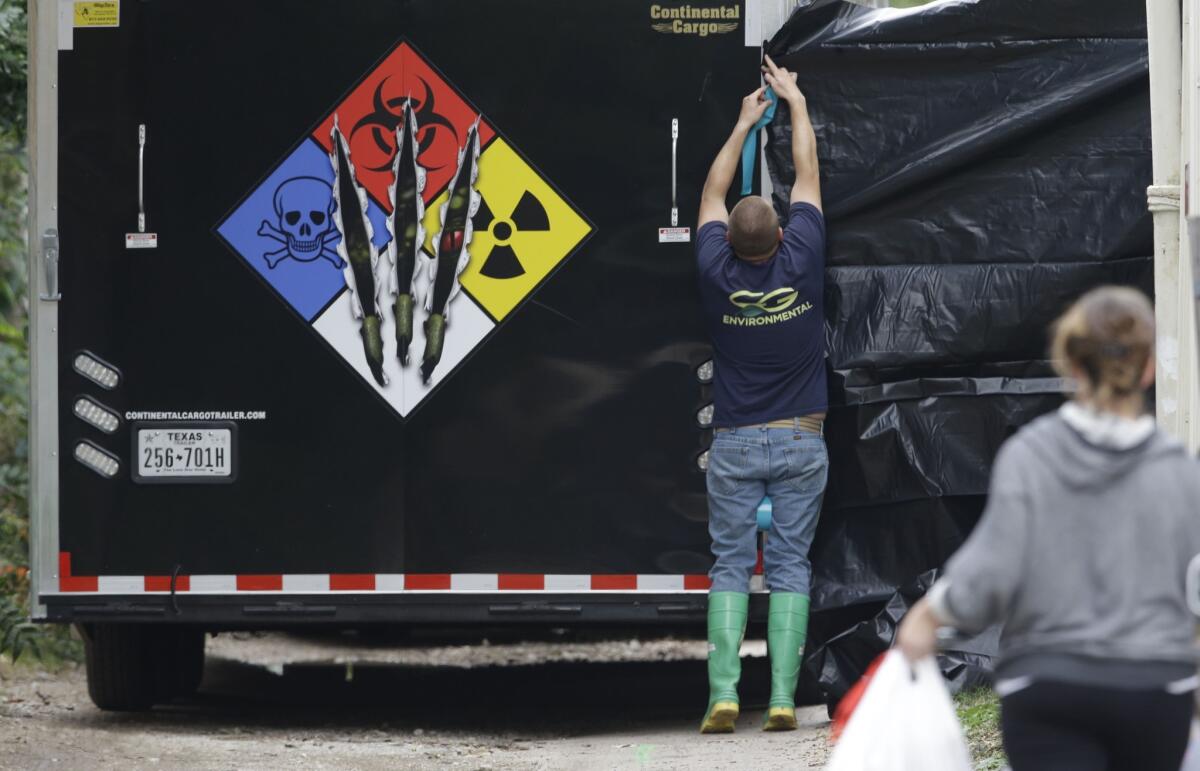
(337,702)
(445,649)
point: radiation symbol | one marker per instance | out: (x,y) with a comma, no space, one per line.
(503,260)
(523,230)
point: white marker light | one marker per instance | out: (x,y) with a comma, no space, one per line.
(704,373)
(96,371)
(705,416)
(92,413)
(97,460)
(702,461)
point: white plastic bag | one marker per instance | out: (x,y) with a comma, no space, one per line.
(904,722)
(1191,760)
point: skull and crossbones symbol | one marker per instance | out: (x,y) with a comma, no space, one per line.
(304,209)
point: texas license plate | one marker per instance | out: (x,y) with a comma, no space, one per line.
(185,454)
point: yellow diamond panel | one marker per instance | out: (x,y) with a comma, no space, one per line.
(531,231)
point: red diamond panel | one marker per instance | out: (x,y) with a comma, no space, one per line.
(368,116)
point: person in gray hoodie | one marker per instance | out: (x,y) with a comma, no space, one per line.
(1092,519)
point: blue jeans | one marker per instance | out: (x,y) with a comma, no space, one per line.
(745,464)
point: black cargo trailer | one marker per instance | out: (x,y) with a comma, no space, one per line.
(370,311)
(384,311)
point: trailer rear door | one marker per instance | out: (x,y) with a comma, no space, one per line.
(220,430)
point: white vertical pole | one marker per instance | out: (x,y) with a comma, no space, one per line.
(1164,25)
(43,323)
(1191,160)
(1189,355)
(770,16)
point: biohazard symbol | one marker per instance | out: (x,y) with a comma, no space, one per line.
(523,230)
(386,115)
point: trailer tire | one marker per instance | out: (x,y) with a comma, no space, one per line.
(188,669)
(132,667)
(122,674)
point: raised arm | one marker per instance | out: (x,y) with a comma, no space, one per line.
(807,187)
(720,175)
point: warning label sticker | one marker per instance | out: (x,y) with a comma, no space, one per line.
(94,13)
(141,240)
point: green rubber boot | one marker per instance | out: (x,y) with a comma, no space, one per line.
(787,627)
(726,627)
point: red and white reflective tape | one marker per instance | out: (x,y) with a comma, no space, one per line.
(382,583)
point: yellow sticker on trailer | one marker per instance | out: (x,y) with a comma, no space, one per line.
(98,14)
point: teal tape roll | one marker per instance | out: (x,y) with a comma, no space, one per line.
(750,148)
(764,514)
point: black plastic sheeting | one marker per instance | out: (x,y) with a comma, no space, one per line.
(838,663)
(982,164)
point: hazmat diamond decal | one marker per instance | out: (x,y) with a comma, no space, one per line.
(404,230)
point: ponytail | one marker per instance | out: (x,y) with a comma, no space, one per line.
(1108,336)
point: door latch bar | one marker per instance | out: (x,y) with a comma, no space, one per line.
(50,291)
(674,149)
(141,177)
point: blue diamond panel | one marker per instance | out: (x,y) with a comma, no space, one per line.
(284,230)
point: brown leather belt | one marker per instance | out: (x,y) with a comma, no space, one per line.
(813,424)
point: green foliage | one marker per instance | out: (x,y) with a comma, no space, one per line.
(17,633)
(14,453)
(13,55)
(12,70)
(979,714)
(12,244)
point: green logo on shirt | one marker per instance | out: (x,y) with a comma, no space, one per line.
(759,308)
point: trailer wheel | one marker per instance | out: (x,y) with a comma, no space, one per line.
(121,673)
(131,667)
(188,667)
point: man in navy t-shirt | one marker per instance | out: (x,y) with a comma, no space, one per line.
(761,291)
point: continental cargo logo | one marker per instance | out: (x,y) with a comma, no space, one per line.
(693,20)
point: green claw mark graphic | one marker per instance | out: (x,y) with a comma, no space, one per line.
(351,219)
(435,337)
(408,210)
(404,325)
(452,252)
(372,337)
